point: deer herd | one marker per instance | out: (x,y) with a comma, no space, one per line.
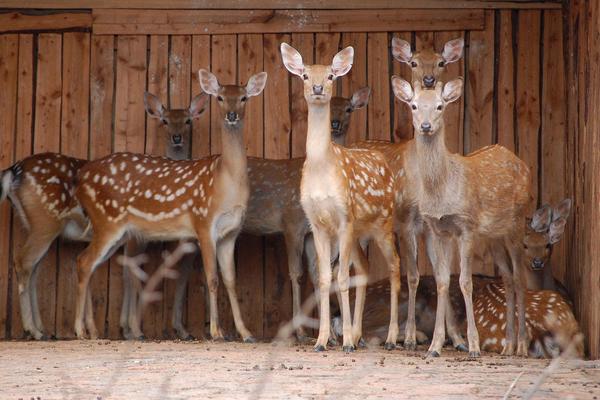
(329,207)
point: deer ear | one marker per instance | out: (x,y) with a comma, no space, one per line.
(208,82)
(562,210)
(256,84)
(342,62)
(292,59)
(556,230)
(360,98)
(541,218)
(198,105)
(402,89)
(154,107)
(453,50)
(452,90)
(401,50)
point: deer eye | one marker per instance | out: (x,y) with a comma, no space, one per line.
(413,106)
(305,77)
(244,98)
(525,247)
(441,64)
(439,108)
(330,77)
(413,64)
(348,110)
(188,121)
(219,98)
(164,121)
(548,246)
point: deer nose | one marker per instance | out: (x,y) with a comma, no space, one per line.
(428,81)
(538,263)
(426,127)
(231,116)
(318,89)
(335,124)
(177,139)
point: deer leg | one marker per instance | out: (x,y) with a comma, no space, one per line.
(90,324)
(130,321)
(361,264)
(387,247)
(515,251)
(343,277)
(408,257)
(313,265)
(437,248)
(35,308)
(501,261)
(186,265)
(225,254)
(209,262)
(293,244)
(323,247)
(466,286)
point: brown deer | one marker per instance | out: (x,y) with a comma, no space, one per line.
(426,66)
(347,195)
(153,198)
(40,188)
(478,197)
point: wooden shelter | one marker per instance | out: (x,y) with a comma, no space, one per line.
(73,73)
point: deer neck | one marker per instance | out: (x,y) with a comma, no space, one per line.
(233,153)
(178,153)
(433,160)
(318,138)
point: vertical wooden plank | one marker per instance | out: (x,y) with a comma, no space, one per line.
(74,143)
(47,138)
(454,113)
(354,80)
(379,80)
(102,78)
(403,128)
(129,136)
(277,121)
(9,56)
(505,90)
(304,43)
(553,139)
(223,65)
(326,46)
(196,300)
(528,93)
(250,252)
(23,141)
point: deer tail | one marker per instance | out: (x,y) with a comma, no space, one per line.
(9,178)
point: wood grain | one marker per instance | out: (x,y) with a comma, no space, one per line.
(354,80)
(505,91)
(403,127)
(19,22)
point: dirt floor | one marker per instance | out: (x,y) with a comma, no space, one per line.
(177,370)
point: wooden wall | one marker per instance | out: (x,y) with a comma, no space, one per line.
(80,93)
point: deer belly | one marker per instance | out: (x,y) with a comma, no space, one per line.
(228,222)
(171,229)
(324,212)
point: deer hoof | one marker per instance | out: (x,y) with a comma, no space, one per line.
(332,342)
(474,354)
(362,344)
(410,345)
(44,337)
(389,346)
(348,349)
(250,339)
(433,354)
(319,348)
(461,347)
(188,338)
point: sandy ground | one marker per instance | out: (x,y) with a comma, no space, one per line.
(176,370)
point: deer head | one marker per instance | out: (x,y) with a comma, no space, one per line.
(341,110)
(232,99)
(427,105)
(427,65)
(176,123)
(318,79)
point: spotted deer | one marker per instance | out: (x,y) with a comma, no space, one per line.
(426,66)
(347,195)
(153,198)
(478,197)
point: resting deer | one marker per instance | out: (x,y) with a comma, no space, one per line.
(152,198)
(478,197)
(347,195)
(40,188)
(427,67)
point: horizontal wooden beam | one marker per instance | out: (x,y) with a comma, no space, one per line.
(279,4)
(196,22)
(19,22)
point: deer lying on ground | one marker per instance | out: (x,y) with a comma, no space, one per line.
(40,188)
(347,195)
(478,197)
(152,198)
(426,67)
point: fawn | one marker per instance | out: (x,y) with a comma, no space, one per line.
(347,195)
(152,198)
(480,196)
(40,188)
(426,67)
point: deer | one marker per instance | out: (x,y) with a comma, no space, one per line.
(456,209)
(347,196)
(41,190)
(426,66)
(153,198)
